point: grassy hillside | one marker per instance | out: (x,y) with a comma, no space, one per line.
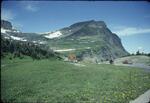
(53,81)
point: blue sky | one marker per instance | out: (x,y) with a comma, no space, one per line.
(129,20)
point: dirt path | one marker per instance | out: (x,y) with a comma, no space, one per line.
(144,98)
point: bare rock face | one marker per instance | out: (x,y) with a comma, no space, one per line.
(6,24)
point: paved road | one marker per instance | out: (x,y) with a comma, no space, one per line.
(144,98)
(140,65)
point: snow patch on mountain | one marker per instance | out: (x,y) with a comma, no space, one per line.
(4,30)
(6,37)
(15,31)
(42,42)
(88,47)
(39,42)
(18,38)
(8,30)
(53,35)
(64,50)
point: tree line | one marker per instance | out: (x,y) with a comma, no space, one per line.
(142,53)
(21,48)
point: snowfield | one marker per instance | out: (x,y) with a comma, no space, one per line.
(4,30)
(64,50)
(39,42)
(54,35)
(7,30)
(12,37)
(15,31)
(18,38)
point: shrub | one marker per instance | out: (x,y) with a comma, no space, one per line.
(125,62)
(111,61)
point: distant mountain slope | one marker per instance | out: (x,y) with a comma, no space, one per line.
(19,44)
(6,24)
(89,40)
(9,32)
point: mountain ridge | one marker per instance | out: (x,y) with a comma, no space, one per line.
(91,34)
(88,40)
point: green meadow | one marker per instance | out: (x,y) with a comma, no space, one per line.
(55,81)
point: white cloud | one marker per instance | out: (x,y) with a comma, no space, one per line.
(7,14)
(10,16)
(17,25)
(31,8)
(139,48)
(131,31)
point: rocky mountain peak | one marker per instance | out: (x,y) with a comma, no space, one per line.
(90,23)
(6,24)
(95,35)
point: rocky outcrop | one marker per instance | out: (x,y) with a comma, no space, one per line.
(6,24)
